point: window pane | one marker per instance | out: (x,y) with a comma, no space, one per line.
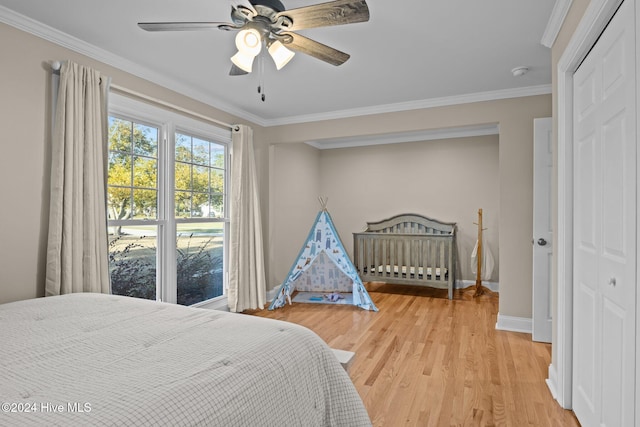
(183,176)
(200,152)
(132,180)
(209,210)
(216,201)
(217,156)
(200,178)
(119,169)
(217,181)
(183,204)
(145,204)
(132,261)
(119,202)
(199,262)
(199,170)
(200,203)
(145,172)
(119,135)
(183,148)
(145,140)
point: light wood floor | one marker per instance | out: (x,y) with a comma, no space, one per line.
(423,360)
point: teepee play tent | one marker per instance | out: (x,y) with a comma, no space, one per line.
(323,272)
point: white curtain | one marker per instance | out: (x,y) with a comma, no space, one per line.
(247,283)
(77,247)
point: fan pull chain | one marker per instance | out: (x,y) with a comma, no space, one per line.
(261,78)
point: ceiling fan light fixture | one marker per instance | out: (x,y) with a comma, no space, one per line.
(249,42)
(280,54)
(243,61)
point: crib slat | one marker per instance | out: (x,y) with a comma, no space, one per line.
(385,260)
(442,264)
(357,254)
(415,260)
(369,261)
(433,259)
(374,258)
(425,260)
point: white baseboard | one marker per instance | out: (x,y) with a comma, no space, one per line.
(552,381)
(272,293)
(514,324)
(492,286)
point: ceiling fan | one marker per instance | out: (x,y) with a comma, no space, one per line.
(266,23)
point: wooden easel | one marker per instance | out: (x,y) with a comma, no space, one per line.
(479,288)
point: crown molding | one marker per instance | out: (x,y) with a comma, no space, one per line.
(401,137)
(415,105)
(67,41)
(558,14)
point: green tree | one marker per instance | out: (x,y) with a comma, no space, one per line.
(132,191)
(199,181)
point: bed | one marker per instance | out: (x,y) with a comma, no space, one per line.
(407,249)
(93,359)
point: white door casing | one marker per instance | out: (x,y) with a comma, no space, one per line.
(604,228)
(542,229)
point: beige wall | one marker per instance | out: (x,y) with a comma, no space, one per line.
(294,190)
(24,143)
(515,192)
(444,179)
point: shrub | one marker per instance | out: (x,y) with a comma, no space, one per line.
(132,273)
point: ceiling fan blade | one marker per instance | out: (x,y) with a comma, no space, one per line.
(313,48)
(246,3)
(236,71)
(337,12)
(185,26)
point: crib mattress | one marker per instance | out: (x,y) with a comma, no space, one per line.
(388,269)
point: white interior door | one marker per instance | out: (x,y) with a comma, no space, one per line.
(604,291)
(542,229)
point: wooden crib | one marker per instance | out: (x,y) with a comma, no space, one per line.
(407,249)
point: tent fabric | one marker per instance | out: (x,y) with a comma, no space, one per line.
(323,276)
(323,266)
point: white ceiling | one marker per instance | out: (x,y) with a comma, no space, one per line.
(410,54)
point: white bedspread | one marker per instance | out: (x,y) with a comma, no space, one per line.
(90,359)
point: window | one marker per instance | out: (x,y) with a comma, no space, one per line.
(167,208)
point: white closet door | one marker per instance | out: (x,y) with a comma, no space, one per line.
(605,227)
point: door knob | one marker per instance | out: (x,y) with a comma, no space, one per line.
(542,242)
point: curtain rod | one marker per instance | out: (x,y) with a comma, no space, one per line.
(56,65)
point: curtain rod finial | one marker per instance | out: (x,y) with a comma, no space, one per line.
(56,65)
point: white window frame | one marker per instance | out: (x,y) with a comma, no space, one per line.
(168,123)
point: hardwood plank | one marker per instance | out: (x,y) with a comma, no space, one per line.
(425,360)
